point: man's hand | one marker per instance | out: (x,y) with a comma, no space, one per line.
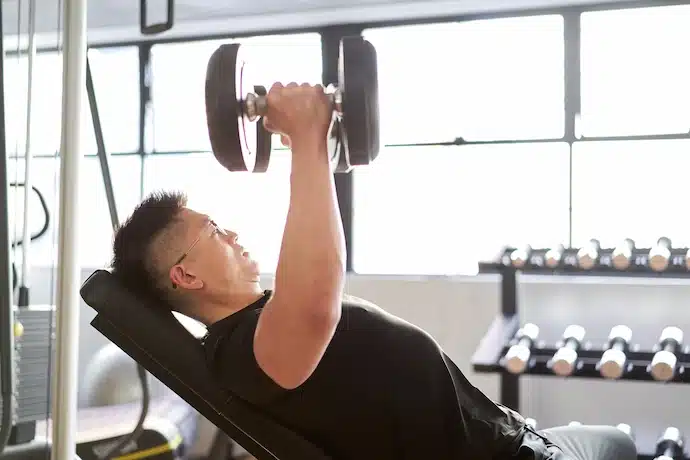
(300,114)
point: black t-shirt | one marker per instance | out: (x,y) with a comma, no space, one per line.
(384,389)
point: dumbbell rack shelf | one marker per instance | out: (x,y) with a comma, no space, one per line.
(486,360)
(568,265)
(488,357)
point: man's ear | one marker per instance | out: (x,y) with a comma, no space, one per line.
(185,279)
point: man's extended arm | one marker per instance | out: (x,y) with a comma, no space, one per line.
(299,321)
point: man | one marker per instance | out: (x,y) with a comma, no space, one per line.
(351,378)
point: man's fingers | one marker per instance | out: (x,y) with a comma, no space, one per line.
(269,126)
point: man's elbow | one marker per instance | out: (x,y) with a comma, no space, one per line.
(325,306)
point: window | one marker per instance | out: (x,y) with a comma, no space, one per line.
(438,210)
(253,205)
(116,81)
(179,116)
(628,189)
(479,80)
(95,226)
(46,104)
(634,74)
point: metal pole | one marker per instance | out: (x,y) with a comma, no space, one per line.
(26,233)
(7,383)
(64,398)
(100,143)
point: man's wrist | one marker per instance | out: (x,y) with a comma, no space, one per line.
(309,148)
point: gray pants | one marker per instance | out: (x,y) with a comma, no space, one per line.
(589,442)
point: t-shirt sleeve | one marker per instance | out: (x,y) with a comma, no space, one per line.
(235,365)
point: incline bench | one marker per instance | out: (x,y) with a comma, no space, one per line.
(154,338)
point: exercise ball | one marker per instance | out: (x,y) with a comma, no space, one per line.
(111,378)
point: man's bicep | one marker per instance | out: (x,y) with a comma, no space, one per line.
(237,369)
(288,344)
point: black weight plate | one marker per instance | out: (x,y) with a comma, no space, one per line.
(263,140)
(233,137)
(358,80)
(334,142)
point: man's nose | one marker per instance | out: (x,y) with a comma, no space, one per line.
(231,236)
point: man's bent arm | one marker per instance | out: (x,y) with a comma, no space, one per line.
(299,321)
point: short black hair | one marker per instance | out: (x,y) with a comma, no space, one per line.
(134,258)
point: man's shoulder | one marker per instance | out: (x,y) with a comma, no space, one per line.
(230,335)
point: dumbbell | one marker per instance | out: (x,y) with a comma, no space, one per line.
(554,255)
(664,363)
(671,444)
(518,355)
(627,429)
(613,360)
(622,254)
(563,361)
(520,256)
(232,108)
(532,423)
(588,254)
(660,255)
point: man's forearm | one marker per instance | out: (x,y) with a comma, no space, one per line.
(312,255)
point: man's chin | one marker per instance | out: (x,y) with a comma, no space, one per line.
(256,271)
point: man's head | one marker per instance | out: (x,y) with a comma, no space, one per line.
(174,254)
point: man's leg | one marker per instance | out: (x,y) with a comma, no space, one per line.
(594,442)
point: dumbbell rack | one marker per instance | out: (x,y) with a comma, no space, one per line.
(488,358)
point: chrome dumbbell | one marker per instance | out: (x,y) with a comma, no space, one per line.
(588,254)
(660,255)
(664,362)
(613,362)
(565,358)
(519,354)
(621,257)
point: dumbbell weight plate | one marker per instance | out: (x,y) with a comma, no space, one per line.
(336,148)
(263,140)
(358,80)
(237,143)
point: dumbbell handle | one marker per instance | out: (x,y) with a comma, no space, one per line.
(618,344)
(572,343)
(525,341)
(671,346)
(256,106)
(669,452)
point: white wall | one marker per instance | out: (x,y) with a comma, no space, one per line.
(457,312)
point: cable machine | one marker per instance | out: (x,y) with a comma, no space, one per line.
(17,436)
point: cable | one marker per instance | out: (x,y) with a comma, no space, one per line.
(46,214)
(41,232)
(23,295)
(23,300)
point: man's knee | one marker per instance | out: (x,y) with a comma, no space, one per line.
(622,445)
(592,442)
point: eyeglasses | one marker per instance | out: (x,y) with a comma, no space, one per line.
(215,229)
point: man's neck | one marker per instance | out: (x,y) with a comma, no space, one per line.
(216,311)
